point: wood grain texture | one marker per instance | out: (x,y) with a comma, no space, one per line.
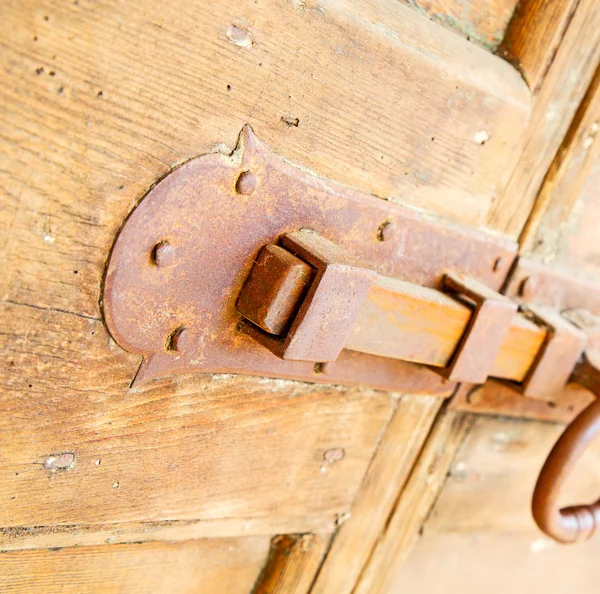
(292,564)
(552,224)
(491,480)
(414,503)
(66,535)
(101,99)
(579,248)
(387,475)
(491,563)
(426,326)
(481,21)
(201,447)
(480,536)
(554,106)
(533,37)
(227,566)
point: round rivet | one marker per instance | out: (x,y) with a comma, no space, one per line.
(246,183)
(163,254)
(475,396)
(529,286)
(386,231)
(176,341)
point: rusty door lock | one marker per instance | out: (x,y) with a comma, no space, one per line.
(244,264)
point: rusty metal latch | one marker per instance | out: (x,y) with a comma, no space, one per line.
(242,263)
(307,300)
(306,297)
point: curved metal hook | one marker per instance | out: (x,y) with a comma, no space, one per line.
(574,523)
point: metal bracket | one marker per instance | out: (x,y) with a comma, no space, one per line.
(180,261)
(487,329)
(556,359)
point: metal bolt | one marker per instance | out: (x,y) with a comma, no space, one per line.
(386,231)
(163,254)
(529,286)
(246,183)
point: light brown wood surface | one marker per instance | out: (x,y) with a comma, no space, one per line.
(66,535)
(554,105)
(535,32)
(552,224)
(492,478)
(414,504)
(480,536)
(292,564)
(490,563)
(391,466)
(228,566)
(482,21)
(195,448)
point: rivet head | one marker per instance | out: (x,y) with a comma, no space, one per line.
(475,396)
(163,254)
(246,183)
(178,339)
(386,231)
(529,286)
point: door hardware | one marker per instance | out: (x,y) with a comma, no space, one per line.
(210,227)
(245,264)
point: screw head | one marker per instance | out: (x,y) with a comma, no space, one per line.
(163,254)
(386,231)
(246,183)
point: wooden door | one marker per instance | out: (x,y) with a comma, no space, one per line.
(466,109)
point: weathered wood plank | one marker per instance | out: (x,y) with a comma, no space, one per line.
(554,105)
(292,564)
(481,21)
(387,475)
(414,504)
(101,99)
(67,535)
(534,34)
(191,448)
(227,566)
(480,536)
(562,227)
(492,478)
(498,563)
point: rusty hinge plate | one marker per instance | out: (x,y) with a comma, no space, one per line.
(180,261)
(498,398)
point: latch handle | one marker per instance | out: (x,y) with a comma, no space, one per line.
(574,523)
